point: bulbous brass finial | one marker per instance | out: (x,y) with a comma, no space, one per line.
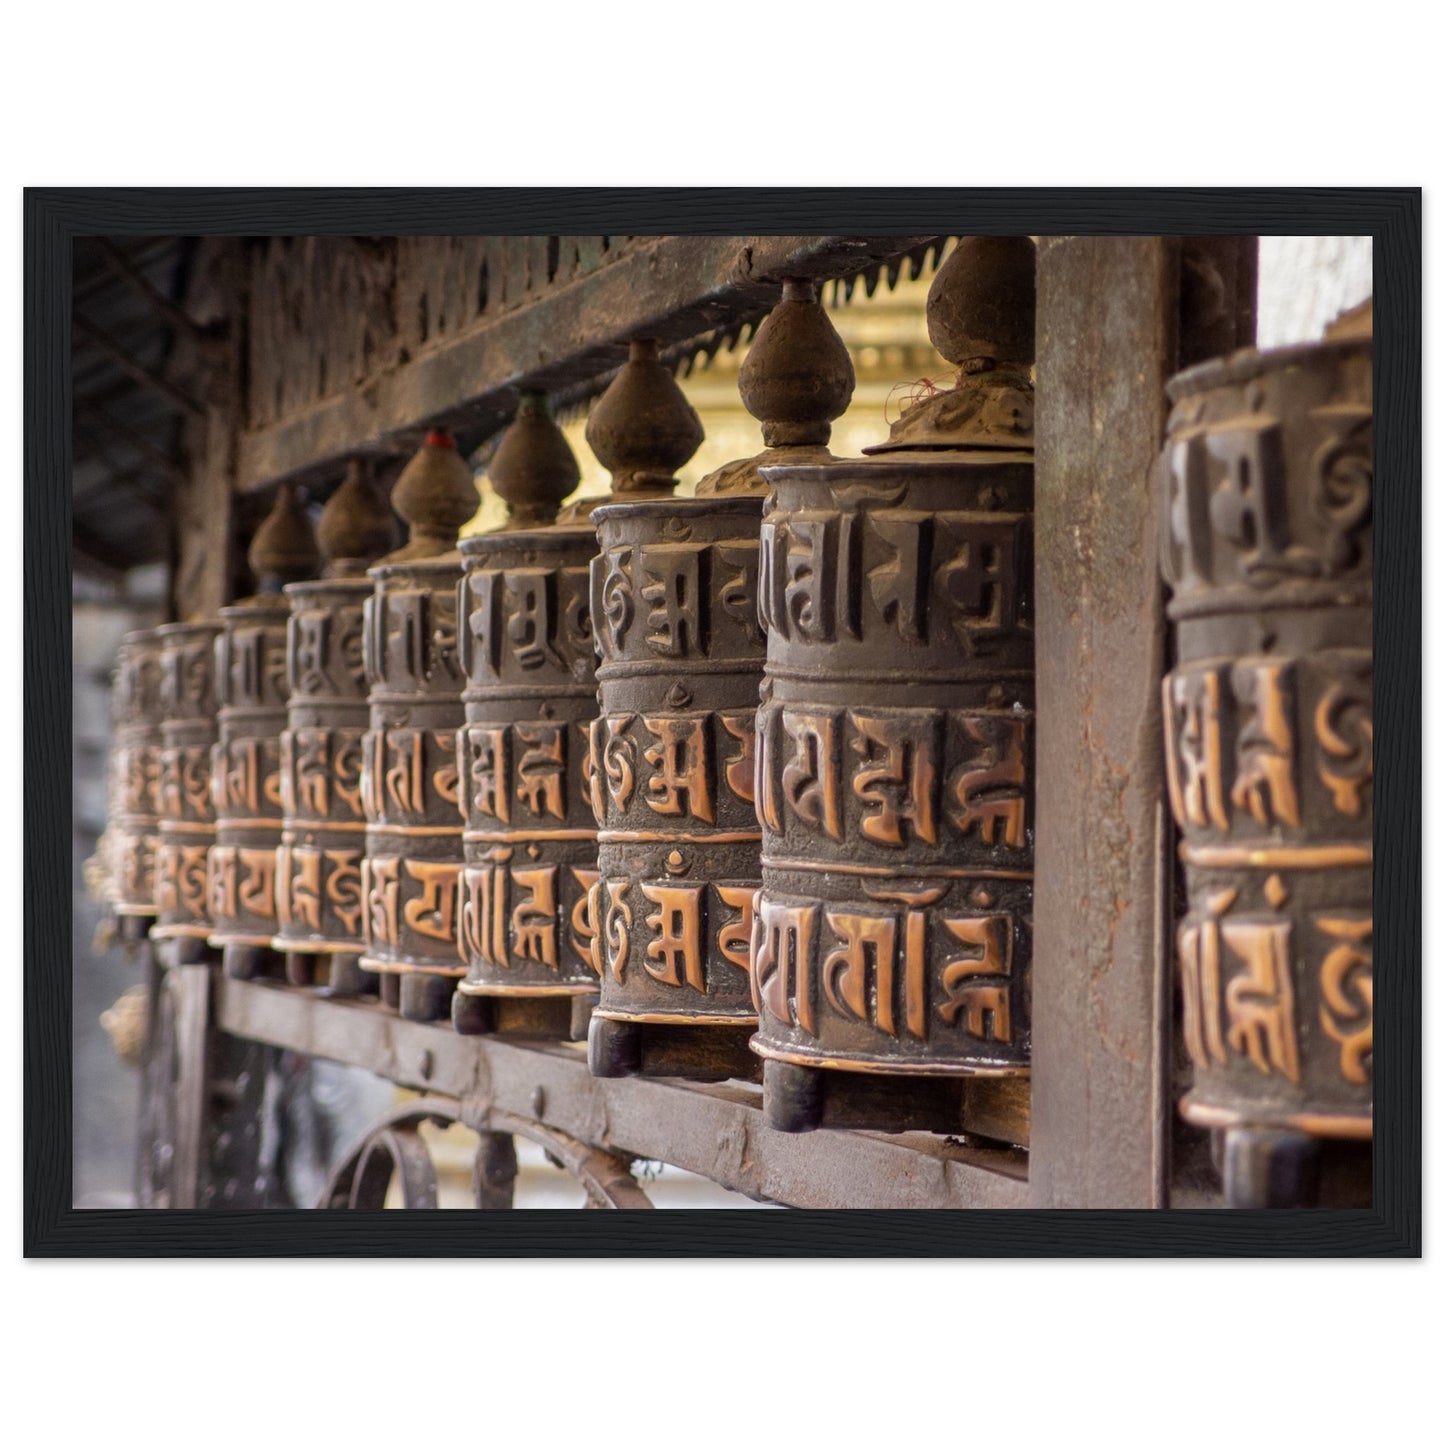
(642,427)
(284,547)
(436,495)
(797,378)
(981,318)
(533,470)
(357,525)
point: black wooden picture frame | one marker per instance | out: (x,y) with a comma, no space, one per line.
(1392,1227)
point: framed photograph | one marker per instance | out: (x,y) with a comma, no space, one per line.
(872,722)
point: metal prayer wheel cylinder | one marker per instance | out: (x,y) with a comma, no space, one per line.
(529,836)
(892,933)
(674,591)
(134,823)
(246,777)
(323,841)
(187,813)
(1267,476)
(409,770)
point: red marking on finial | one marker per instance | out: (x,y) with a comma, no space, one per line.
(441,439)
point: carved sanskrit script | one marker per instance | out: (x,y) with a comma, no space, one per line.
(881,773)
(902,970)
(1238,976)
(1235,751)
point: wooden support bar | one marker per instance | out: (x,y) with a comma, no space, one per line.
(171,394)
(143,446)
(671,289)
(136,279)
(1108,312)
(715,1130)
(190,988)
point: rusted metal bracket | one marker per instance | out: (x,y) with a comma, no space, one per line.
(715,1130)
(566,344)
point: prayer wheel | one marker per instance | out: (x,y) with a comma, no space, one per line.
(408,762)
(891,937)
(133,827)
(323,840)
(1266,477)
(530,693)
(251,693)
(681,659)
(187,813)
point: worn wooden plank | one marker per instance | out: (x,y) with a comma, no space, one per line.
(716,1130)
(1108,310)
(572,334)
(203,541)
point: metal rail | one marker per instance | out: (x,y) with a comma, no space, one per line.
(715,1130)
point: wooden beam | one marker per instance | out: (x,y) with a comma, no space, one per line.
(158,386)
(169,312)
(118,431)
(1108,312)
(716,1130)
(673,288)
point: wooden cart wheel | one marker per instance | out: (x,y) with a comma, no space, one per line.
(396,1149)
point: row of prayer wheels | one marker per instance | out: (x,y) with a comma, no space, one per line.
(741,783)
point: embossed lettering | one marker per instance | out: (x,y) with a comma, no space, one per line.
(221,882)
(312,771)
(534,918)
(619,758)
(810,779)
(431,915)
(1346,732)
(679,781)
(1348,968)
(783,962)
(975,985)
(1199,980)
(582,937)
(619,920)
(734,940)
(897,780)
(738,769)
(673,589)
(981,579)
(1264,781)
(541,768)
(530,617)
(258,885)
(490,795)
(300,888)
(381,879)
(1193,754)
(677,929)
(404,777)
(1260,1002)
(990,789)
(343,888)
(808,581)
(900,585)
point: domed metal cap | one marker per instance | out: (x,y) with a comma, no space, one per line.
(357,525)
(284,548)
(436,495)
(796,379)
(981,303)
(534,470)
(981,317)
(643,428)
